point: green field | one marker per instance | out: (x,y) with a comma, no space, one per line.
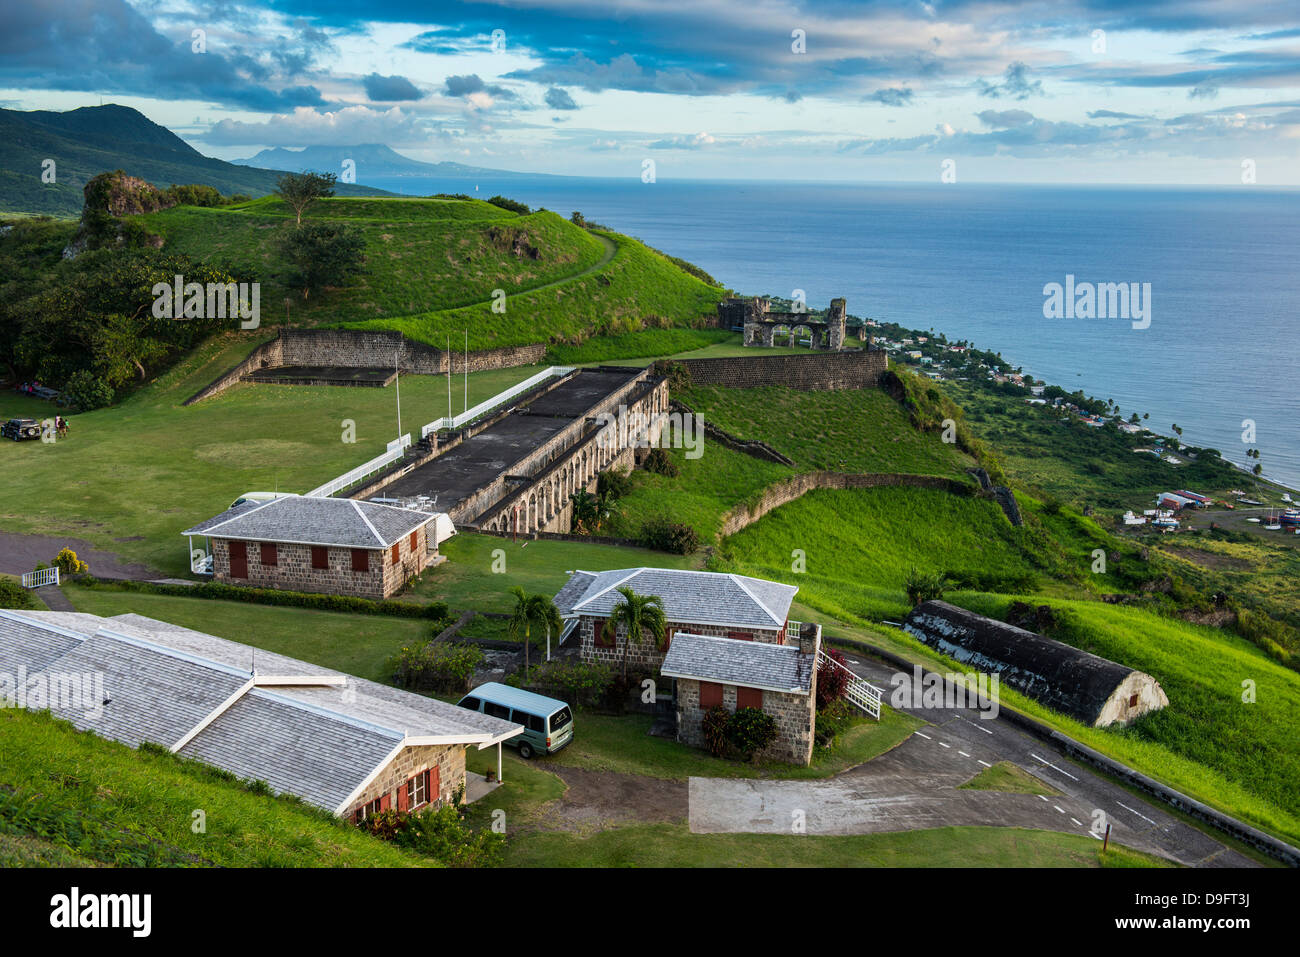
(69,798)
(131,477)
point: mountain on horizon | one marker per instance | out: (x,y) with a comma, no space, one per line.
(374,159)
(98,139)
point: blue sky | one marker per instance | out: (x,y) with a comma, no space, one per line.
(1169,91)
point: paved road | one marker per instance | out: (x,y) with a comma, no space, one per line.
(916,786)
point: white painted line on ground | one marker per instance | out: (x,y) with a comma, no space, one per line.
(1053,766)
(1077,823)
(920,735)
(1138,813)
(1043,799)
(942,745)
(974,725)
(985,763)
(1058,807)
(963,754)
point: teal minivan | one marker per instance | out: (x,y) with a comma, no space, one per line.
(548,722)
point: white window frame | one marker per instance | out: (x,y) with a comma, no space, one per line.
(415,786)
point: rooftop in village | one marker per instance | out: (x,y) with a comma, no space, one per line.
(313,520)
(751,664)
(688,596)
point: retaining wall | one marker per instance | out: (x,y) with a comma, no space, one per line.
(819,372)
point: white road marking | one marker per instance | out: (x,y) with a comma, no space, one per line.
(1077,823)
(974,725)
(985,763)
(1043,799)
(1054,767)
(920,735)
(942,745)
(1058,807)
(963,754)
(1138,813)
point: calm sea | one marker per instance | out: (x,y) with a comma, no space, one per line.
(972,261)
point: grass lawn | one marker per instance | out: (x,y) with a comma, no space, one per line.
(622,744)
(1005,776)
(468,580)
(131,477)
(356,644)
(68,797)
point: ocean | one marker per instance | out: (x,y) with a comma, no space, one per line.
(972,260)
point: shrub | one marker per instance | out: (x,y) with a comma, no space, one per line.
(440,833)
(661,463)
(714,728)
(924,587)
(750,730)
(86,391)
(69,564)
(578,219)
(668,536)
(831,723)
(585,685)
(14,595)
(832,680)
(510,204)
(613,484)
(436,666)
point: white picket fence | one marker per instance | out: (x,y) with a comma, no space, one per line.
(858,691)
(396,449)
(43,576)
(498,400)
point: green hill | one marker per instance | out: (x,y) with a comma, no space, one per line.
(98,139)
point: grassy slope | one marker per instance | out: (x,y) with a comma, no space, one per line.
(83,798)
(421,255)
(131,477)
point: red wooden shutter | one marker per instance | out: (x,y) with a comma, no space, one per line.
(397,553)
(749,698)
(238,560)
(667,639)
(360,560)
(385,802)
(435,783)
(741,635)
(403,797)
(606,633)
(269,553)
(710,694)
(415,540)
(320,557)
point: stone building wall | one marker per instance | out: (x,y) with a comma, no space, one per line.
(787,490)
(293,572)
(448,758)
(795,715)
(820,372)
(646,655)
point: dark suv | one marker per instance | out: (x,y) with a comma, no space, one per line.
(19,429)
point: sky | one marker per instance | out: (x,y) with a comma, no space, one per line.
(1046,91)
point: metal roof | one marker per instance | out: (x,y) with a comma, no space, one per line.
(315,520)
(750,664)
(688,596)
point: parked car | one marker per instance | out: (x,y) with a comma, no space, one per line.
(19,429)
(548,722)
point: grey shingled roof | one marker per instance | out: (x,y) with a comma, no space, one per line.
(263,737)
(688,596)
(320,742)
(751,664)
(314,520)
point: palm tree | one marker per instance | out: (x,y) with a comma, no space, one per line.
(532,610)
(639,615)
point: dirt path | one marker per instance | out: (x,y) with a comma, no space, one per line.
(20,553)
(596,800)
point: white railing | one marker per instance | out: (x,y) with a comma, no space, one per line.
(858,692)
(498,400)
(42,576)
(396,449)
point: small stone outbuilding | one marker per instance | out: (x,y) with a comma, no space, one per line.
(335,546)
(780,680)
(1084,686)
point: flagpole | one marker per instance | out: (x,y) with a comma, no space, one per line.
(397,381)
(466,370)
(449,415)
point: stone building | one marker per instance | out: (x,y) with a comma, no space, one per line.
(779,679)
(350,746)
(1084,686)
(701,603)
(763,327)
(335,546)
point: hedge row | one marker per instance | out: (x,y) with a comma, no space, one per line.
(270,596)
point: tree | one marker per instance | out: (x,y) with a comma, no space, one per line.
(588,512)
(300,190)
(639,615)
(323,253)
(532,610)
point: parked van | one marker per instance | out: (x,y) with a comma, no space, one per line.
(548,722)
